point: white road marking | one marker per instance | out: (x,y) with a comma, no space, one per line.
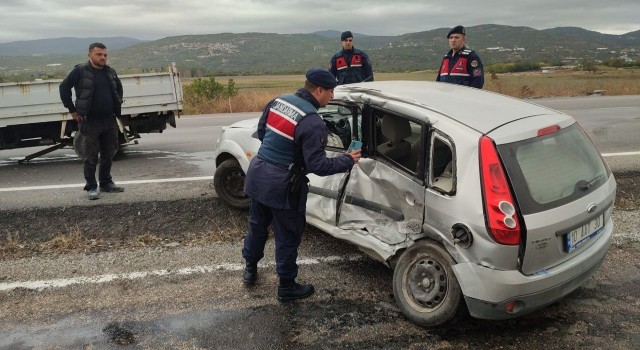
(64,282)
(619,154)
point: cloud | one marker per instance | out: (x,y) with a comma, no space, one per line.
(146,19)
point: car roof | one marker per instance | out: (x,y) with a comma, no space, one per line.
(479,109)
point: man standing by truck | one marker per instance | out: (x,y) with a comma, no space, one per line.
(98,102)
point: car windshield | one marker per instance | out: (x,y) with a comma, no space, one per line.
(554,169)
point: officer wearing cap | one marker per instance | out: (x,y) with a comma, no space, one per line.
(461,65)
(293,139)
(350,65)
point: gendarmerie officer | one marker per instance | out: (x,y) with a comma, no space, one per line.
(293,139)
(350,65)
(461,65)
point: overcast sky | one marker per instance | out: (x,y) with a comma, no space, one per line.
(155,19)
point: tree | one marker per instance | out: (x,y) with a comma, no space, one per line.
(590,66)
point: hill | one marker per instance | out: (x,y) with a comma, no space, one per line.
(61,46)
(270,53)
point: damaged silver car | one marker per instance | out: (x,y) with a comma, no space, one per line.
(479,202)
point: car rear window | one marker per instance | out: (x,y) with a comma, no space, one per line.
(554,169)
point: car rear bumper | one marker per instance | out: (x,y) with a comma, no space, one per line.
(490,293)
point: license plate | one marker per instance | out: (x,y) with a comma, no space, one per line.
(574,239)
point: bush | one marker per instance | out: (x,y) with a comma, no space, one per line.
(513,67)
(590,66)
(204,94)
(210,89)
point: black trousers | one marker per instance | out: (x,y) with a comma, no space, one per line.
(288,226)
(97,138)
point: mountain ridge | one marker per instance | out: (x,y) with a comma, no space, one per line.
(62,45)
(271,53)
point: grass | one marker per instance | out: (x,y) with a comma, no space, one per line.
(256,91)
(565,83)
(230,226)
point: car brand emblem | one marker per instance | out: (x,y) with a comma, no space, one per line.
(592,208)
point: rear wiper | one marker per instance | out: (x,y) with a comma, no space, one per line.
(590,184)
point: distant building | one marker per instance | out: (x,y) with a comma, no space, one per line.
(573,60)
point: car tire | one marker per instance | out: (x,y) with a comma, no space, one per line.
(228,182)
(425,286)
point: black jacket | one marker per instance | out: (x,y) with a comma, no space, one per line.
(81,80)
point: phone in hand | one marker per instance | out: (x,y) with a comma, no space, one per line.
(355,144)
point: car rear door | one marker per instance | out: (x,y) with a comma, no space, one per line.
(384,194)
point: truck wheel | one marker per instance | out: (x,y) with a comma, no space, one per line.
(228,182)
(121,143)
(77,139)
(425,286)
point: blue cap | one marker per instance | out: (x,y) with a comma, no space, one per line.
(322,78)
(456,30)
(346,35)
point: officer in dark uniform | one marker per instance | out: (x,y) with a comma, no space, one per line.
(293,139)
(350,65)
(460,65)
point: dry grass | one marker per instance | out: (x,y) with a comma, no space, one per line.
(232,228)
(565,83)
(256,91)
(247,100)
(11,245)
(148,239)
(72,241)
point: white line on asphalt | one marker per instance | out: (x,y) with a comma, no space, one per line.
(63,282)
(620,154)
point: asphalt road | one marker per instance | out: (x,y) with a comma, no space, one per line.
(176,163)
(178,296)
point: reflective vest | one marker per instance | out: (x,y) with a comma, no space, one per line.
(465,68)
(351,72)
(278,146)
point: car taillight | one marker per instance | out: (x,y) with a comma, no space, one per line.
(548,130)
(500,209)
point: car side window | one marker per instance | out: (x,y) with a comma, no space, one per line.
(399,139)
(339,122)
(442,168)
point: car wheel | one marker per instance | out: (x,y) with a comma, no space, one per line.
(228,182)
(425,286)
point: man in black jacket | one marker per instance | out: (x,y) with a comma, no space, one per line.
(98,101)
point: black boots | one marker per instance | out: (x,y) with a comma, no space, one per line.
(250,274)
(287,290)
(290,290)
